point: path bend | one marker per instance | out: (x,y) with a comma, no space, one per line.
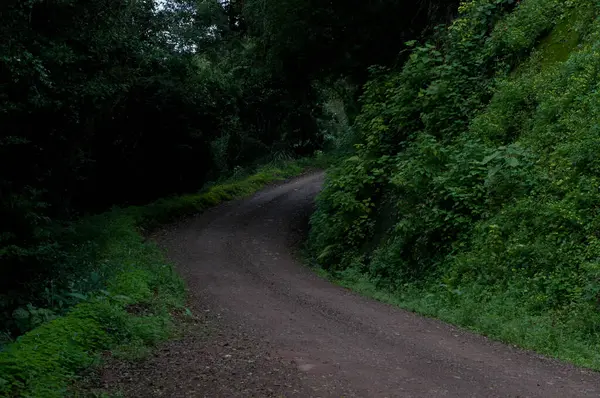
(280,330)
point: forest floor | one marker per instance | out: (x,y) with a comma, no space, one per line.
(264,324)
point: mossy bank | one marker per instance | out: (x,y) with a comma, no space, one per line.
(133,291)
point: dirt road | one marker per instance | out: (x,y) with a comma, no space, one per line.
(277,329)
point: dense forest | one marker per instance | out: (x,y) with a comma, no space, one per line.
(120,102)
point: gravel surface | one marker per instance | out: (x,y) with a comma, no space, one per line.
(265,325)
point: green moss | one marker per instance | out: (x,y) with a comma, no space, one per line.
(561,41)
(558,45)
(40,362)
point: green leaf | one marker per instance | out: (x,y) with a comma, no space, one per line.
(489,158)
(78,295)
(121,297)
(513,162)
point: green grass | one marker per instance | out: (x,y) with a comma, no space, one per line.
(132,311)
(500,317)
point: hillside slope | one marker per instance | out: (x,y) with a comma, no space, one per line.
(473,195)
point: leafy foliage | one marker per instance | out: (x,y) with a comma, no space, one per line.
(474,182)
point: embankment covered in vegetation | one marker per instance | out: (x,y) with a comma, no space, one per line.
(473,194)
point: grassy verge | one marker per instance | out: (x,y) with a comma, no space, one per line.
(136,291)
(501,317)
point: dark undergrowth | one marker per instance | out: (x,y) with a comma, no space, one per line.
(124,294)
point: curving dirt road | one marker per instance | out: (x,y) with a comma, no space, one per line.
(277,329)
